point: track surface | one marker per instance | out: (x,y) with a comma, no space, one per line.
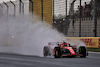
(13,60)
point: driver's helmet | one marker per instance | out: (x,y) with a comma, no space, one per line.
(64,41)
(58,43)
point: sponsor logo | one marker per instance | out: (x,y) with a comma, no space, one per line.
(88,42)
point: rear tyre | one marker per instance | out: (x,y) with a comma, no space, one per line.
(46,51)
(82,50)
(57,52)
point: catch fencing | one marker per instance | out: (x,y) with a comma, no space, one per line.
(73,18)
(76,21)
(14,8)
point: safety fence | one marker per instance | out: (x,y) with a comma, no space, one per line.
(73,18)
(79,21)
(14,8)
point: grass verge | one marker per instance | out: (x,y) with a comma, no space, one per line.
(94,49)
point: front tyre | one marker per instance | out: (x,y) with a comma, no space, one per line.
(82,51)
(57,52)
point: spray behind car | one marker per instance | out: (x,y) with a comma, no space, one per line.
(20,35)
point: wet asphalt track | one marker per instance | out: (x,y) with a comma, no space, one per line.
(13,60)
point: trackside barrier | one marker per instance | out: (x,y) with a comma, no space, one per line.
(99,42)
(90,42)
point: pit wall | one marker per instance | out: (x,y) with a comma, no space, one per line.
(90,42)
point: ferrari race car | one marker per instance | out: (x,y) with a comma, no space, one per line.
(63,49)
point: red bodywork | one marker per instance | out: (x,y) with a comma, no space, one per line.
(65,49)
(65,45)
(72,52)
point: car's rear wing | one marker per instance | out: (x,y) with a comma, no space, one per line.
(55,43)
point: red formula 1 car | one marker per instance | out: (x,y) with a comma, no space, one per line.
(64,49)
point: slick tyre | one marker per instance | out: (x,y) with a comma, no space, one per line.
(82,50)
(46,51)
(57,52)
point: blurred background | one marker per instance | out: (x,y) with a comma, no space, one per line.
(73,18)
